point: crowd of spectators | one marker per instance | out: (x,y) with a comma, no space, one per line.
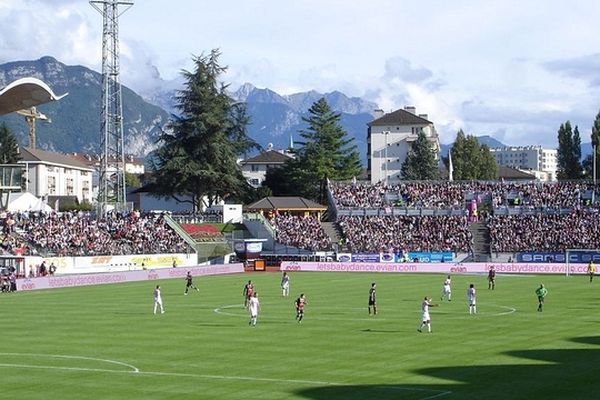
(545,232)
(81,234)
(406,233)
(455,194)
(304,232)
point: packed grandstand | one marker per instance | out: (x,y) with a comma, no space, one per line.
(370,218)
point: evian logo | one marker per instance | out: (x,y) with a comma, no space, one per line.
(152,276)
(28,286)
(458,269)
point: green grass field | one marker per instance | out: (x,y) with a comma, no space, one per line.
(103,342)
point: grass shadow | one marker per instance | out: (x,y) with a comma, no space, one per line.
(551,374)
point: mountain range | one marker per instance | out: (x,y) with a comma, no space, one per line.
(274,119)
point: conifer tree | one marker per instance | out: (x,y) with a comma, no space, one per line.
(420,163)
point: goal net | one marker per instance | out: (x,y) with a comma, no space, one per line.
(577,260)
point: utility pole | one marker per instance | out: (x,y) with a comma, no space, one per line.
(31,114)
(111,190)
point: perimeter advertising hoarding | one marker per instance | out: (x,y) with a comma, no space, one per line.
(575,257)
(446,268)
(59,281)
(390,257)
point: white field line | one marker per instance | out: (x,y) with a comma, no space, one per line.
(135,371)
(452,314)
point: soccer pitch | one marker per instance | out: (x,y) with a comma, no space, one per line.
(103,342)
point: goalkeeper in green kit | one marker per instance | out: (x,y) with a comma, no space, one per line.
(541,293)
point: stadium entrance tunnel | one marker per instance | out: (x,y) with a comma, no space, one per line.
(551,374)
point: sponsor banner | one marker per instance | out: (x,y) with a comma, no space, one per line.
(50,282)
(344,257)
(427,257)
(575,257)
(387,257)
(366,257)
(446,268)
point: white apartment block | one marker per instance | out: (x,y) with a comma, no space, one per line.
(55,174)
(389,138)
(255,168)
(533,159)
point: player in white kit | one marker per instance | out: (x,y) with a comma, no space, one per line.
(285,285)
(472,299)
(446,289)
(253,307)
(158,300)
(426,319)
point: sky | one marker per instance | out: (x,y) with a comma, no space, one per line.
(514,70)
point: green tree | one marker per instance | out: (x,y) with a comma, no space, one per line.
(325,152)
(488,167)
(9,147)
(198,152)
(420,163)
(470,160)
(588,163)
(132,180)
(569,153)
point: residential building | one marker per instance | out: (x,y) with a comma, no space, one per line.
(255,168)
(389,139)
(55,174)
(536,160)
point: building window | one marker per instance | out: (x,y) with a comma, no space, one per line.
(51,185)
(254,168)
(70,187)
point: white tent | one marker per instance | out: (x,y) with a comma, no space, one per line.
(25,201)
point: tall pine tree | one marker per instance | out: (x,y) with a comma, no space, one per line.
(324,152)
(569,153)
(198,152)
(420,163)
(588,163)
(9,147)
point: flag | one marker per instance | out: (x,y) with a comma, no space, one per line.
(450,167)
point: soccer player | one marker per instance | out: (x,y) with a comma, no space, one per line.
(491,278)
(471,299)
(373,299)
(285,285)
(446,289)
(426,319)
(591,270)
(247,292)
(253,307)
(300,303)
(189,284)
(158,300)
(541,293)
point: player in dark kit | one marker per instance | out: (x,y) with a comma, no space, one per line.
(492,278)
(248,292)
(189,284)
(300,302)
(373,299)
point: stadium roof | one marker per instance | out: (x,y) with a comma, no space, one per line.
(399,117)
(25,93)
(286,203)
(512,174)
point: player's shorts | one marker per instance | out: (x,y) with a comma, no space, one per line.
(425,317)
(471,302)
(447,289)
(372,302)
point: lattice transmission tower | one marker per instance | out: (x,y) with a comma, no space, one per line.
(111,189)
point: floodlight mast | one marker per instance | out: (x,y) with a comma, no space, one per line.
(111,189)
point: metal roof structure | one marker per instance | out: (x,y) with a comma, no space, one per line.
(25,93)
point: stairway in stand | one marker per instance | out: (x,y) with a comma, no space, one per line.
(481,241)
(333,231)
